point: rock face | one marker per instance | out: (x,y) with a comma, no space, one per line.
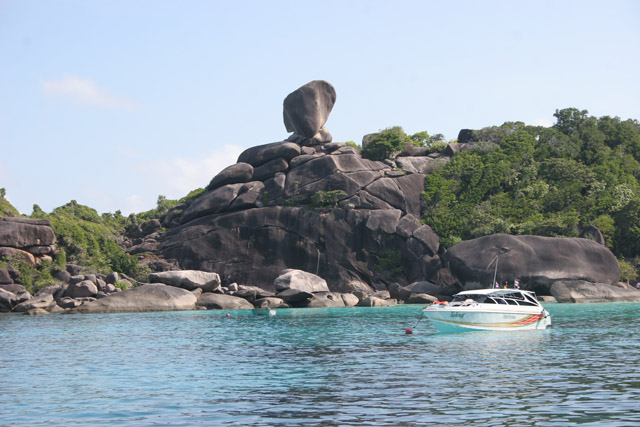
(26,238)
(307,109)
(188,279)
(580,291)
(150,297)
(536,261)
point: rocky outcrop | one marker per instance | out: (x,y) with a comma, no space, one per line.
(188,279)
(580,291)
(149,297)
(301,281)
(212,301)
(307,109)
(28,239)
(536,261)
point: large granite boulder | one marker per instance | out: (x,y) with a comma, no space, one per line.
(188,279)
(7,301)
(580,291)
(261,154)
(45,302)
(307,109)
(234,174)
(34,236)
(300,280)
(536,261)
(254,245)
(83,289)
(149,297)
(212,301)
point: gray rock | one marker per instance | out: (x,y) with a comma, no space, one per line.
(304,158)
(249,196)
(215,201)
(213,301)
(5,277)
(580,291)
(7,301)
(386,220)
(422,165)
(407,225)
(149,297)
(18,290)
(252,293)
(112,278)
(269,169)
(428,237)
(350,300)
(270,302)
(307,109)
(592,232)
(325,300)
(421,299)
(261,154)
(300,280)
(22,233)
(238,173)
(62,275)
(294,296)
(86,288)
(68,302)
(535,260)
(402,193)
(188,279)
(44,302)
(372,301)
(323,136)
(150,226)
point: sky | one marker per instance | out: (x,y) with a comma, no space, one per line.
(113,103)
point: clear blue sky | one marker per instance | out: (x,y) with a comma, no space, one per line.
(112,103)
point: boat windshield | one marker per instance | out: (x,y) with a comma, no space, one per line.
(498,297)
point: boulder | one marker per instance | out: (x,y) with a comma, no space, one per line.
(23,233)
(62,275)
(307,109)
(18,290)
(86,288)
(325,300)
(592,232)
(300,280)
(407,225)
(5,277)
(269,169)
(422,165)
(373,301)
(421,299)
(385,220)
(249,196)
(425,235)
(238,173)
(214,201)
(68,302)
(188,279)
(251,293)
(149,297)
(535,260)
(270,302)
(294,296)
(55,290)
(45,302)
(7,301)
(261,154)
(402,193)
(112,278)
(580,291)
(350,300)
(18,255)
(212,301)
(150,226)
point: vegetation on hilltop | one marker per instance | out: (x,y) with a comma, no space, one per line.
(382,145)
(523,179)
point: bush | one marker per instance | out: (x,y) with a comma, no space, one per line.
(328,199)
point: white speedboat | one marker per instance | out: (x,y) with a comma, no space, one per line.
(489,310)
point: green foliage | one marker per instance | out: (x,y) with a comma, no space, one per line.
(327,199)
(354,145)
(85,238)
(548,181)
(389,262)
(383,144)
(6,208)
(627,271)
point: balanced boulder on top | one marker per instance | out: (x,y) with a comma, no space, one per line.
(307,109)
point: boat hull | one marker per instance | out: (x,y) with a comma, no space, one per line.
(461,320)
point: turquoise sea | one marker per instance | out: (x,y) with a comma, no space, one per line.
(330,367)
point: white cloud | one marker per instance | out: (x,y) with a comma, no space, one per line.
(85,91)
(178,176)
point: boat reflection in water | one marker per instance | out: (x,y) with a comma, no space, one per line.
(489,310)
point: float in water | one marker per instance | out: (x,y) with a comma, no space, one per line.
(488,310)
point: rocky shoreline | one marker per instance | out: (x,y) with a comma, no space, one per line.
(306,204)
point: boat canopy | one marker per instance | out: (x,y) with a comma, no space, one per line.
(497,296)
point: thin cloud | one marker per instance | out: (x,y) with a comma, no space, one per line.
(86,92)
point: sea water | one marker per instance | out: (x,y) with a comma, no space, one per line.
(342,367)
